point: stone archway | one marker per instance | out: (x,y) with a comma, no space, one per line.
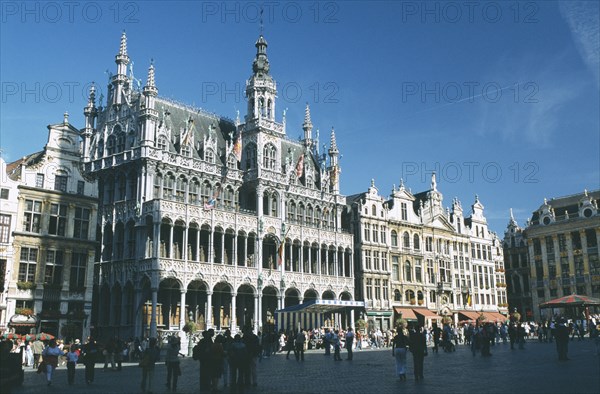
(292,297)
(245,306)
(221,305)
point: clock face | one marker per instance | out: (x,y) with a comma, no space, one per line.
(546,220)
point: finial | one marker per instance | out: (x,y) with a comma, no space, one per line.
(433,182)
(476,198)
(92,95)
(566,214)
(151,82)
(237,118)
(372,182)
(511,215)
(66,118)
(585,192)
(123,47)
(333,143)
(401,183)
(545,201)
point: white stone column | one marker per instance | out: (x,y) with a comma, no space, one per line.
(210,247)
(223,261)
(245,254)
(256,313)
(171,243)
(234,250)
(233,320)
(209,311)
(153,329)
(198,244)
(184,252)
(182,310)
(352,319)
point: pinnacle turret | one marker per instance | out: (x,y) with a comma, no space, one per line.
(261,62)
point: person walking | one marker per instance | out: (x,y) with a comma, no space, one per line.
(253,347)
(335,339)
(172,361)
(300,339)
(418,348)
(148,361)
(50,355)
(291,338)
(561,336)
(238,362)
(327,342)
(37,347)
(72,358)
(90,355)
(349,343)
(201,353)
(399,345)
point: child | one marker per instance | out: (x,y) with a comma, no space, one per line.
(72,357)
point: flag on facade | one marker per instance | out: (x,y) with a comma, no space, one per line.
(280,253)
(469,300)
(300,166)
(237,147)
(210,204)
(187,138)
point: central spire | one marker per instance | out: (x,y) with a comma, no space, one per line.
(261,62)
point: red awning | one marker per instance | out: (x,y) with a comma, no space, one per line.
(426,313)
(469,315)
(406,313)
(494,317)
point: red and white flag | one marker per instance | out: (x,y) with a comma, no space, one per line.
(300,166)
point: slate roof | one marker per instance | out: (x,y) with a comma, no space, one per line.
(13,170)
(569,203)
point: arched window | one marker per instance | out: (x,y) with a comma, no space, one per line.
(209,156)
(292,211)
(180,189)
(416,242)
(206,191)
(373,210)
(407,271)
(269,153)
(162,142)
(274,205)
(397,295)
(193,192)
(301,213)
(157,185)
(309,182)
(232,162)
(405,240)
(250,156)
(168,186)
(100,148)
(110,145)
(228,197)
(394,238)
(120,146)
(317,216)
(269,108)
(309,214)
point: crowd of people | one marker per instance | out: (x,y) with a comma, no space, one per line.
(231,361)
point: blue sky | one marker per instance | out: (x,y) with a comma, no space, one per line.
(501,98)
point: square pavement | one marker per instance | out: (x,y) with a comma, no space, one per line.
(533,370)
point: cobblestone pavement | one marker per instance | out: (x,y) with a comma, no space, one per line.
(533,370)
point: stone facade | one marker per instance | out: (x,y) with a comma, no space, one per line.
(206,219)
(555,255)
(53,216)
(412,255)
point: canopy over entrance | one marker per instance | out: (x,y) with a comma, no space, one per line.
(571,300)
(313,314)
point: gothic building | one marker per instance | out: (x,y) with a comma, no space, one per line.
(50,226)
(206,219)
(555,255)
(419,261)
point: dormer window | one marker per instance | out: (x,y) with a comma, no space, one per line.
(162,143)
(209,156)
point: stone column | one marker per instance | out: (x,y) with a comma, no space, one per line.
(198,244)
(171,243)
(156,242)
(233,320)
(234,250)
(184,252)
(182,310)
(209,252)
(209,312)
(256,312)
(153,329)
(245,254)
(352,319)
(137,308)
(223,261)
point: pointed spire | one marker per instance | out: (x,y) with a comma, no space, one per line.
(92,96)
(307,125)
(123,46)
(150,82)
(333,144)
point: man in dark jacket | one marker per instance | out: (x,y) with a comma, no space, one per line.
(561,334)
(418,348)
(201,353)
(253,347)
